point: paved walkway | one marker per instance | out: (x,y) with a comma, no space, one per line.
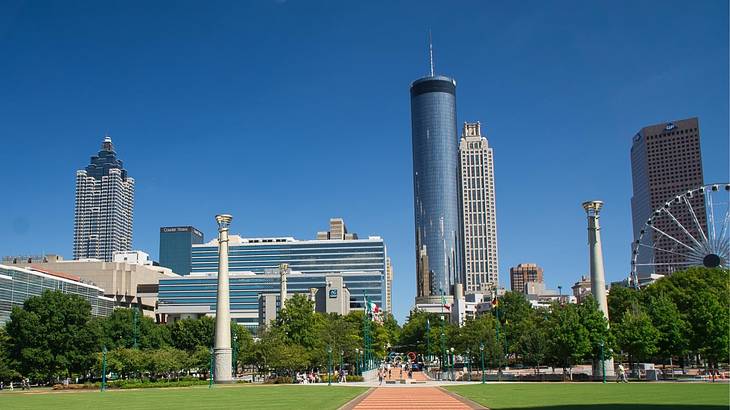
(422,398)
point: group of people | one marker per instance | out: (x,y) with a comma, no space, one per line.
(313,377)
(24,384)
(385,371)
(307,377)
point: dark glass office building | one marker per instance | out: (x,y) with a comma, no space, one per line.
(176,247)
(435,186)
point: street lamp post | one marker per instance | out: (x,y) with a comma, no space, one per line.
(342,356)
(603,364)
(481,351)
(211,370)
(357,361)
(452,364)
(235,354)
(468,363)
(103,368)
(329,365)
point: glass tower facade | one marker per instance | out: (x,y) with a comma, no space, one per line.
(321,257)
(196,295)
(176,247)
(435,186)
(19,284)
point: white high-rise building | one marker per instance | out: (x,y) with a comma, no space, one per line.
(479,215)
(104,207)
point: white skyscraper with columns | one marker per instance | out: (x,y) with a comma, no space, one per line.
(478,210)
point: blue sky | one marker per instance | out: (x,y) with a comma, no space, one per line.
(287,113)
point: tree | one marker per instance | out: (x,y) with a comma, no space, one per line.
(392,328)
(244,343)
(474,333)
(336,332)
(7,372)
(568,339)
(188,334)
(673,330)
(514,309)
(621,300)
(118,331)
(51,336)
(636,335)
(421,332)
(297,321)
(531,344)
(596,325)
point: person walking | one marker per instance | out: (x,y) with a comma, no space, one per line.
(621,374)
(380,376)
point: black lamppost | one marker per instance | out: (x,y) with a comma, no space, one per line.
(329,366)
(481,351)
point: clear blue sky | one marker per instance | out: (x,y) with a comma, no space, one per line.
(287,113)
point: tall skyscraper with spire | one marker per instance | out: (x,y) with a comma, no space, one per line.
(104,206)
(435,185)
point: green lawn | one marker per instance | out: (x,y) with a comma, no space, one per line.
(640,396)
(239,396)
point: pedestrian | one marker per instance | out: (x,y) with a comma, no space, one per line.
(621,374)
(380,376)
(401,372)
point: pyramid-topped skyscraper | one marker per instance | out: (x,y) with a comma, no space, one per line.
(104,206)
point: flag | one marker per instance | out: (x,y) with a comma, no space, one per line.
(443,302)
(495,302)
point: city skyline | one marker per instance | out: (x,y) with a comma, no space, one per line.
(186,113)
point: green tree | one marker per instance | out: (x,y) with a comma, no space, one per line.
(514,309)
(673,330)
(297,321)
(474,333)
(621,299)
(118,331)
(568,340)
(392,328)
(596,325)
(636,335)
(51,336)
(7,372)
(244,343)
(188,334)
(532,342)
(421,332)
(340,334)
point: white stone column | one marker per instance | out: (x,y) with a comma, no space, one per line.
(598,278)
(222,348)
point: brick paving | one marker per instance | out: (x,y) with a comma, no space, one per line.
(421,398)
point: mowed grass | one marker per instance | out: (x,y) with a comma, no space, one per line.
(219,397)
(640,396)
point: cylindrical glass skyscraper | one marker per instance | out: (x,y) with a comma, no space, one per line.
(435,186)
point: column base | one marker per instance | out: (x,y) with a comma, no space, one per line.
(223,365)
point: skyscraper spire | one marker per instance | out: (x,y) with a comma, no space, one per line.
(430,50)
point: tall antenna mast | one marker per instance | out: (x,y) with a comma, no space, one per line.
(430,50)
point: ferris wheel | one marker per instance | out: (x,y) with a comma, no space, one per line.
(688,230)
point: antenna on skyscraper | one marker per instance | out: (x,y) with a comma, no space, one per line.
(430,51)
